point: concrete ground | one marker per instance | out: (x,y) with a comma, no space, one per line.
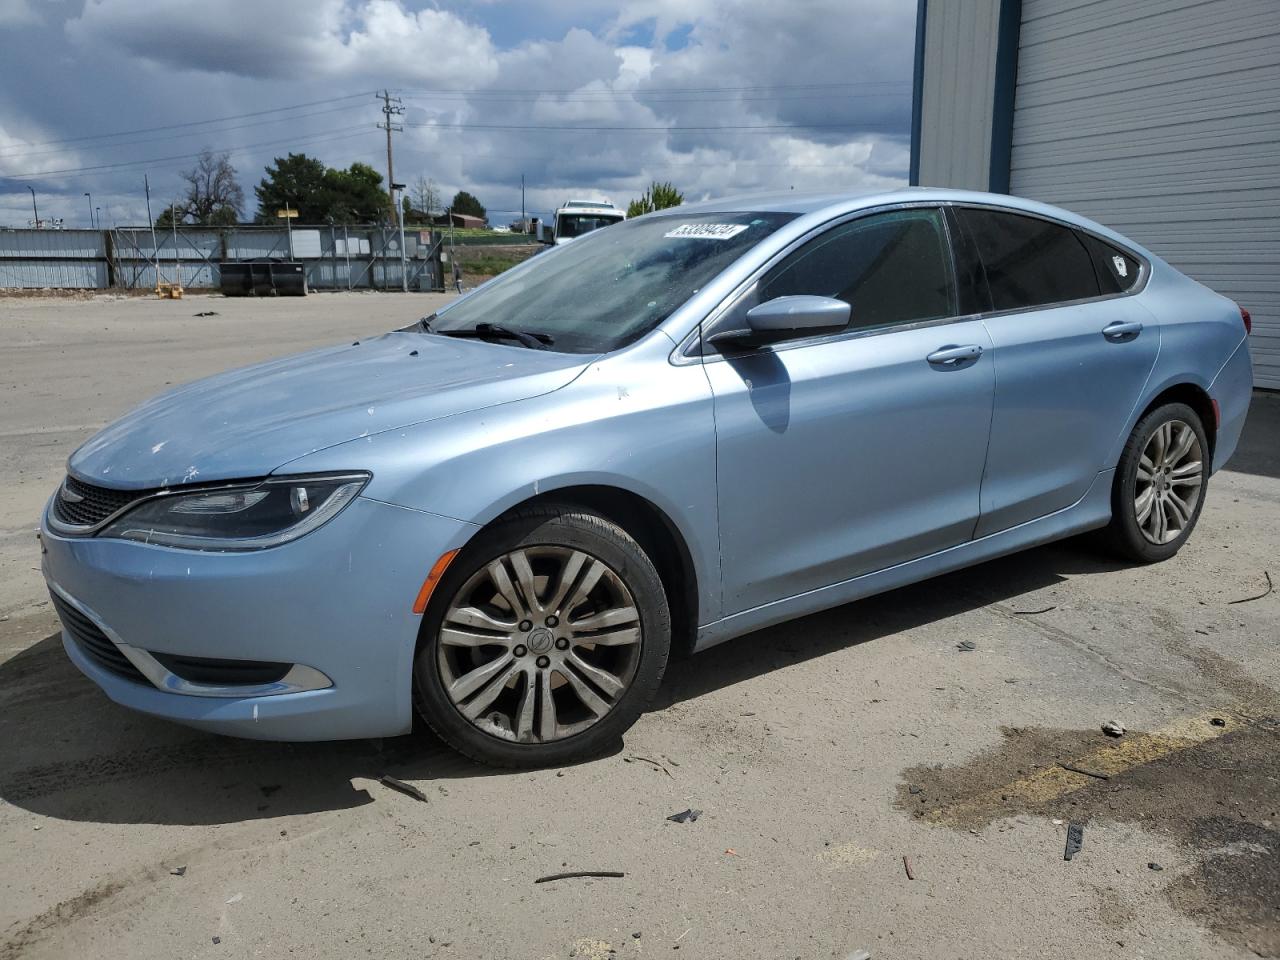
(865,784)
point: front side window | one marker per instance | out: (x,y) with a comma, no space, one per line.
(891,268)
(1029,262)
(610,287)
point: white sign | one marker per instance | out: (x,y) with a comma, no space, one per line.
(306,243)
(1122,267)
(706,231)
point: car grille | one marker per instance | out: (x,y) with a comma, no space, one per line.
(93,643)
(95,503)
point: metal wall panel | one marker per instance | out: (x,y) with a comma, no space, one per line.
(958,77)
(1161,118)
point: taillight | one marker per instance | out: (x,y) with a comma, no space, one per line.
(1248,321)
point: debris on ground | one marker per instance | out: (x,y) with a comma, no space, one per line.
(906,865)
(1081,770)
(913,790)
(178,871)
(217,939)
(1266,592)
(1113,728)
(408,789)
(685,816)
(1217,722)
(1154,866)
(964,646)
(1033,613)
(656,765)
(859,955)
(206,313)
(1075,840)
(236,898)
(729,851)
(580,873)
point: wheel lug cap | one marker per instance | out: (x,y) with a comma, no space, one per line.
(520,650)
(526,625)
(553,621)
(544,662)
(562,644)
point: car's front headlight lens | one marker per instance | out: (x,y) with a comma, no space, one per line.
(249,517)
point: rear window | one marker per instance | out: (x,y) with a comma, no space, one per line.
(1030,262)
(1117,271)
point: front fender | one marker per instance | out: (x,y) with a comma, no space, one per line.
(631,421)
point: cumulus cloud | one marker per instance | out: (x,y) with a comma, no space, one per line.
(829,78)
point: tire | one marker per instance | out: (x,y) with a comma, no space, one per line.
(1177,486)
(597,655)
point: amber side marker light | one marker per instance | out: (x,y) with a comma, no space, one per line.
(429,584)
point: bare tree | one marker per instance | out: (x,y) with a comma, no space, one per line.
(213,195)
(426,196)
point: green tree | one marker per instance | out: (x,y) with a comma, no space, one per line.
(354,195)
(296,180)
(464,202)
(659,196)
(321,194)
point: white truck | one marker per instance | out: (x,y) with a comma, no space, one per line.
(577,217)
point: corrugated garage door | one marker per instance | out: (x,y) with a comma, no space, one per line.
(1161,119)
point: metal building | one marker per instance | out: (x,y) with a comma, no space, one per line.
(1159,118)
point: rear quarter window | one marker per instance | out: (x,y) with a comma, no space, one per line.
(1117,271)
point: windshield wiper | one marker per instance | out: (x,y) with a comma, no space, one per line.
(425,323)
(494,331)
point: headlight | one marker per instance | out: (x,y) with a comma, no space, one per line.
(249,517)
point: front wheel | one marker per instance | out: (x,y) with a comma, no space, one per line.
(1159,485)
(544,641)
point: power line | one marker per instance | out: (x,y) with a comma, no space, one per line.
(197,123)
(358,130)
(197,133)
(743,128)
(632,90)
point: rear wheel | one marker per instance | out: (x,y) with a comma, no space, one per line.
(1160,484)
(544,641)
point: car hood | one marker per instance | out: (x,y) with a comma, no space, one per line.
(249,422)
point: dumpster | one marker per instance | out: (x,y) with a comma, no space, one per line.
(263,278)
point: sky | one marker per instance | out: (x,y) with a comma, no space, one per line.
(584,98)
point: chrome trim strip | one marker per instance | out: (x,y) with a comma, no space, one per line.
(300,677)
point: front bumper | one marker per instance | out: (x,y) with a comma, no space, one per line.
(336,604)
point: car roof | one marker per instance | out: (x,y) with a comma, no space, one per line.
(834,204)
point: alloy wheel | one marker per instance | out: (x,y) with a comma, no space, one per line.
(539,644)
(1170,477)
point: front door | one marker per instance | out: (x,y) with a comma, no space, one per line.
(848,453)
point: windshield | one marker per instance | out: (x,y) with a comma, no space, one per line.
(576,224)
(613,286)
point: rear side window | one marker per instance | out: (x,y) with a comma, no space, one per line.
(891,268)
(1030,262)
(1117,271)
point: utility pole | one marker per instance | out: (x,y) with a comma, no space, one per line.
(522,226)
(90,196)
(35,211)
(391,107)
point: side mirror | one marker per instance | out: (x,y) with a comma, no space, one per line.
(785,317)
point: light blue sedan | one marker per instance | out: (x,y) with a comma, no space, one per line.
(683,428)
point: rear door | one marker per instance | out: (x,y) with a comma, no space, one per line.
(842,454)
(1072,354)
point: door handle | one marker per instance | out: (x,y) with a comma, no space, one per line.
(1122,330)
(953,356)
